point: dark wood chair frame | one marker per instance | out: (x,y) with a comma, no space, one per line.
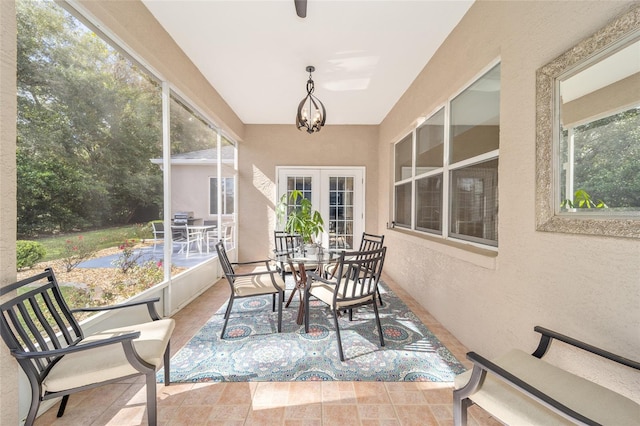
(231,276)
(38,343)
(367,267)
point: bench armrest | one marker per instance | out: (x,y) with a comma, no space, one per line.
(482,366)
(153,313)
(548,335)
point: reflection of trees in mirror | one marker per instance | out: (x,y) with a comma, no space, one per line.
(582,200)
(606,159)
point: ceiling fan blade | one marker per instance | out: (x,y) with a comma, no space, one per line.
(301,8)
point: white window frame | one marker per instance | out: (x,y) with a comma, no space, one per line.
(445,170)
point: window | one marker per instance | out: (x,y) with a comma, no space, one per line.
(446,178)
(227,192)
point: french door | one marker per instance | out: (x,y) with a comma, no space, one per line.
(337,193)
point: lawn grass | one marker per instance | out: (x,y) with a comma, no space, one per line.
(98,239)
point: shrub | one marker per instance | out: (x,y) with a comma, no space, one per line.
(29,253)
(141,278)
(76,251)
(129,257)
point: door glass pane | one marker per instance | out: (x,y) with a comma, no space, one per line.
(429,204)
(474,204)
(340,224)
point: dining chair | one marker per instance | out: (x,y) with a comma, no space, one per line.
(367,243)
(158,233)
(224,234)
(285,243)
(354,285)
(187,238)
(59,358)
(261,281)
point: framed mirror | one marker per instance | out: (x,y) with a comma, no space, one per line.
(588,135)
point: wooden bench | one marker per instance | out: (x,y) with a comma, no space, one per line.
(522,389)
(58,359)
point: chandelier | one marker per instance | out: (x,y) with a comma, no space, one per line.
(309,107)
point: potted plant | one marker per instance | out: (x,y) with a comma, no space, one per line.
(301,219)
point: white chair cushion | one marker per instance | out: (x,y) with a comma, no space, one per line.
(109,362)
(581,395)
(325,292)
(257,284)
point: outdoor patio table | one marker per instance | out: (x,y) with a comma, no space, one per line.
(303,261)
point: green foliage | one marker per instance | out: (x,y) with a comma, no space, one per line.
(301,218)
(607,159)
(29,253)
(88,123)
(76,251)
(582,200)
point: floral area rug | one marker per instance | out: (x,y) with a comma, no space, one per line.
(253,350)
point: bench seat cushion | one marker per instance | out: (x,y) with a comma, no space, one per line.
(581,395)
(109,362)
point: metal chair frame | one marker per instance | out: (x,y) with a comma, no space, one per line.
(355,285)
(232,275)
(40,329)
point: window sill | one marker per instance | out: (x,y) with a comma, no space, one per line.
(483,257)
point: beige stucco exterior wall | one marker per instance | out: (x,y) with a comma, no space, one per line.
(268,146)
(8,365)
(587,287)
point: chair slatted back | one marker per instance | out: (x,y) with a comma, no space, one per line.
(359,274)
(371,242)
(227,267)
(285,242)
(37,319)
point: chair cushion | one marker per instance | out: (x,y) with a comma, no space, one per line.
(109,362)
(325,292)
(258,284)
(581,395)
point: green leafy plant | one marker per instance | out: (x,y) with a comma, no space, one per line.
(582,200)
(28,253)
(301,218)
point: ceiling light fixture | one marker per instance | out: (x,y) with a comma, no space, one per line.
(310,106)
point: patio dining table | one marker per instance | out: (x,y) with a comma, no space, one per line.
(299,263)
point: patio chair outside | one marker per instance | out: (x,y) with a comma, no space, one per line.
(355,285)
(58,359)
(187,238)
(261,281)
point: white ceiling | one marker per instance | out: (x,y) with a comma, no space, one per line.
(366,52)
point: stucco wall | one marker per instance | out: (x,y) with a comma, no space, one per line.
(8,365)
(268,146)
(587,287)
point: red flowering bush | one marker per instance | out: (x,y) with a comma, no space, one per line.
(75,252)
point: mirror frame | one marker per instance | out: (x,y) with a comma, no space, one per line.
(547,122)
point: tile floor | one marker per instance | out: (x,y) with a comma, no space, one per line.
(260,403)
